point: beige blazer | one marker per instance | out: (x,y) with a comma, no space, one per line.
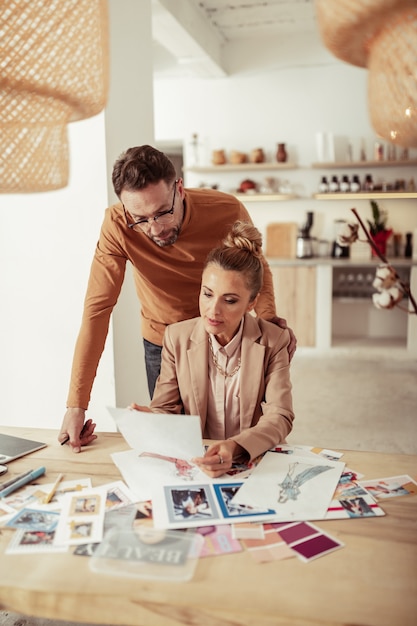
(266,412)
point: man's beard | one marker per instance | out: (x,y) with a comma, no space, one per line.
(170,241)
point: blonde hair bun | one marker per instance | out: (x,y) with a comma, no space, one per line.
(244,236)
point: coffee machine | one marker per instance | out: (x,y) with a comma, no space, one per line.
(338,251)
(304,240)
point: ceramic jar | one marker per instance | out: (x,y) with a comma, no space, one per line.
(237,157)
(218,157)
(257,155)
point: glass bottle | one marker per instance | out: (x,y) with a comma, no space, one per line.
(363,151)
(379,151)
(355,184)
(324,185)
(345,185)
(369,183)
(408,250)
(334,184)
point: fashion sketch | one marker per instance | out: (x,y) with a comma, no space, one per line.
(183,469)
(289,488)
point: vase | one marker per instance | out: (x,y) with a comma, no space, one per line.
(380,239)
(281,153)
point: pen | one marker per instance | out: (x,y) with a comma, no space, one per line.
(23,481)
(51,494)
(13,480)
(67,438)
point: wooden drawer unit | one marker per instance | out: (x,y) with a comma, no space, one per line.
(295,298)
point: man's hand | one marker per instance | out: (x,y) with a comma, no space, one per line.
(74,431)
(282,323)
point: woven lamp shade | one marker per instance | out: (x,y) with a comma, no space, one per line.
(382,36)
(53,70)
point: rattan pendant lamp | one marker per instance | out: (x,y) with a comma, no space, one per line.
(53,71)
(380,35)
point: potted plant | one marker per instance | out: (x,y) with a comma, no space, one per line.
(378,228)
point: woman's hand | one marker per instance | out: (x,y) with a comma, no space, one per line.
(219,458)
(138,407)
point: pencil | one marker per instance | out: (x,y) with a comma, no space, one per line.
(51,494)
(13,480)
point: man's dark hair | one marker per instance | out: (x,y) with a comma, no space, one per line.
(138,167)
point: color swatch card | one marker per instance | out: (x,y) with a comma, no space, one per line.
(218,540)
(308,541)
(270,548)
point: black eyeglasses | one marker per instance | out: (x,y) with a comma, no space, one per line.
(166,217)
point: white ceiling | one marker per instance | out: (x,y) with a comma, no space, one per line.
(234,20)
(197,33)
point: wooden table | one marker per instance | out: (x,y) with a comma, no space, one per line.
(371,581)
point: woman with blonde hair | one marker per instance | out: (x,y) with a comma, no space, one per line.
(228,366)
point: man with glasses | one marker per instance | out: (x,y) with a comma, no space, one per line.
(166,232)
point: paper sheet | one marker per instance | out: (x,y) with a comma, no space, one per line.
(296,486)
(166,434)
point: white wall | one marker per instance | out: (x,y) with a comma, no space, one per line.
(129,122)
(47,241)
(284,90)
(46,246)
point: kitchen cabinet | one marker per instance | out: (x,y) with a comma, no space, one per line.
(295,299)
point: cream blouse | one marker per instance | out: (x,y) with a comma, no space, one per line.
(223,410)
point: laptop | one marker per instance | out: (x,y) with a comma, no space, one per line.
(12,448)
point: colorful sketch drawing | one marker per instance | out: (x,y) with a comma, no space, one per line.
(289,488)
(183,468)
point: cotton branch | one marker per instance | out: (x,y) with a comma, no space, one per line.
(404,286)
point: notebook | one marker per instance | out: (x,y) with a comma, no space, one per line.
(12,448)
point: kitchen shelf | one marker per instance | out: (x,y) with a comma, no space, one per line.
(241,167)
(367,195)
(364,164)
(264,197)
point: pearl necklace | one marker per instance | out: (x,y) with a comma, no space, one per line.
(218,367)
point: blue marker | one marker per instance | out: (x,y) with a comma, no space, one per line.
(23,481)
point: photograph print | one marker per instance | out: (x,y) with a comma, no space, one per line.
(188,504)
(225,494)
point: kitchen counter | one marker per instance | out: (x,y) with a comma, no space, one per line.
(305,297)
(345,262)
